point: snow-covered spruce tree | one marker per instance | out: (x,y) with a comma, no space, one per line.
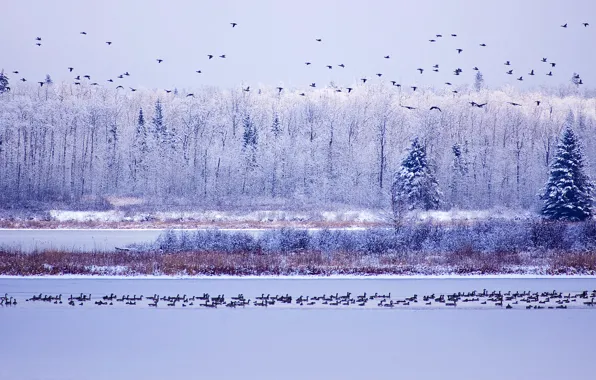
(249,149)
(478,81)
(139,152)
(3,83)
(568,192)
(414,184)
(459,178)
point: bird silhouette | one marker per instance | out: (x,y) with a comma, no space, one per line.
(38,44)
(413,88)
(585,24)
(514,104)
(448,83)
(87,76)
(111,80)
(483,45)
(23,80)
(319,40)
(120,76)
(386,57)
(507,63)
(279,89)
(38,39)
(531,72)
(439,35)
(409,107)
(191,94)
(329,67)
(476,68)
(393,82)
(198,71)
(222,56)
(436,70)
(133,89)
(436,66)
(15,72)
(159,60)
(109,42)
(247,89)
(550,74)
(338,90)
(341,65)
(543,59)
(168,91)
(233,24)
(553,64)
(580,82)
(421,70)
(302,94)
(564,25)
(313,85)
(510,72)
(454,35)
(537,103)
(40,84)
(70,69)
(363,80)
(435,108)
(459,51)
(94,84)
(78,77)
(432,40)
(127,74)
(307,63)
(480,105)
(210,56)
(119,87)
(77,83)
(84,33)
(349,89)
(520,78)
(379,75)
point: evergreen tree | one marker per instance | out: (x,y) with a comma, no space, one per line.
(140,151)
(568,192)
(276,127)
(48,80)
(3,83)
(478,81)
(157,121)
(414,185)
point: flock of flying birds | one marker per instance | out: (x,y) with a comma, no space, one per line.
(435,68)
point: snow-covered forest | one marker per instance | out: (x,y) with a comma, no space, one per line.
(72,144)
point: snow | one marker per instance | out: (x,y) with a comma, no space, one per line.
(48,342)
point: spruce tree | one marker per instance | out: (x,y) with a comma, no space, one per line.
(478,81)
(568,192)
(414,185)
(458,186)
(3,83)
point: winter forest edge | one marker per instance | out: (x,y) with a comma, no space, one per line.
(77,144)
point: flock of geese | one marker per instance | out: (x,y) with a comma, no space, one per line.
(472,300)
(78,79)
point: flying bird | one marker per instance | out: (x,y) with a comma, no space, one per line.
(329,66)
(313,85)
(564,25)
(413,88)
(84,33)
(87,76)
(421,70)
(210,56)
(379,75)
(520,78)
(233,24)
(133,89)
(38,39)
(507,63)
(510,72)
(436,66)
(409,107)
(319,40)
(448,83)
(439,35)
(159,60)
(349,89)
(483,45)
(550,74)
(119,87)
(386,57)
(514,104)
(94,84)
(537,103)
(127,74)
(553,64)
(38,44)
(585,24)
(70,69)
(543,59)
(475,68)
(23,80)
(279,89)
(247,89)
(302,94)
(120,76)
(307,63)
(15,72)
(531,72)
(77,83)
(222,56)
(454,35)
(191,94)
(168,91)
(40,84)
(198,71)
(435,108)
(393,82)
(459,51)
(111,80)
(480,105)
(363,80)
(78,77)
(341,65)
(432,40)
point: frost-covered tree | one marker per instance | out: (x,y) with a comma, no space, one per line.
(478,81)
(140,151)
(568,192)
(3,82)
(249,148)
(414,184)
(48,81)
(459,178)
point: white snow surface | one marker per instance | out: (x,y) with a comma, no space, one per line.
(48,341)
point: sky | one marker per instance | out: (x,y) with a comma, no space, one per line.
(274,39)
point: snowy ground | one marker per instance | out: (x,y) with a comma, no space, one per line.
(239,219)
(48,342)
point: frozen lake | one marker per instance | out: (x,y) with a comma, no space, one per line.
(58,342)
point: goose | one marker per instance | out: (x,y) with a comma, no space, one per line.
(459,51)
(233,24)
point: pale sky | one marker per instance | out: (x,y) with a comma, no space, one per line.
(274,39)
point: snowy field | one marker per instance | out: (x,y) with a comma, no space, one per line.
(47,341)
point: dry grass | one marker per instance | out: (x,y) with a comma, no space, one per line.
(212,263)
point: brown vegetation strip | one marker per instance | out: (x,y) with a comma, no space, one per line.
(212,263)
